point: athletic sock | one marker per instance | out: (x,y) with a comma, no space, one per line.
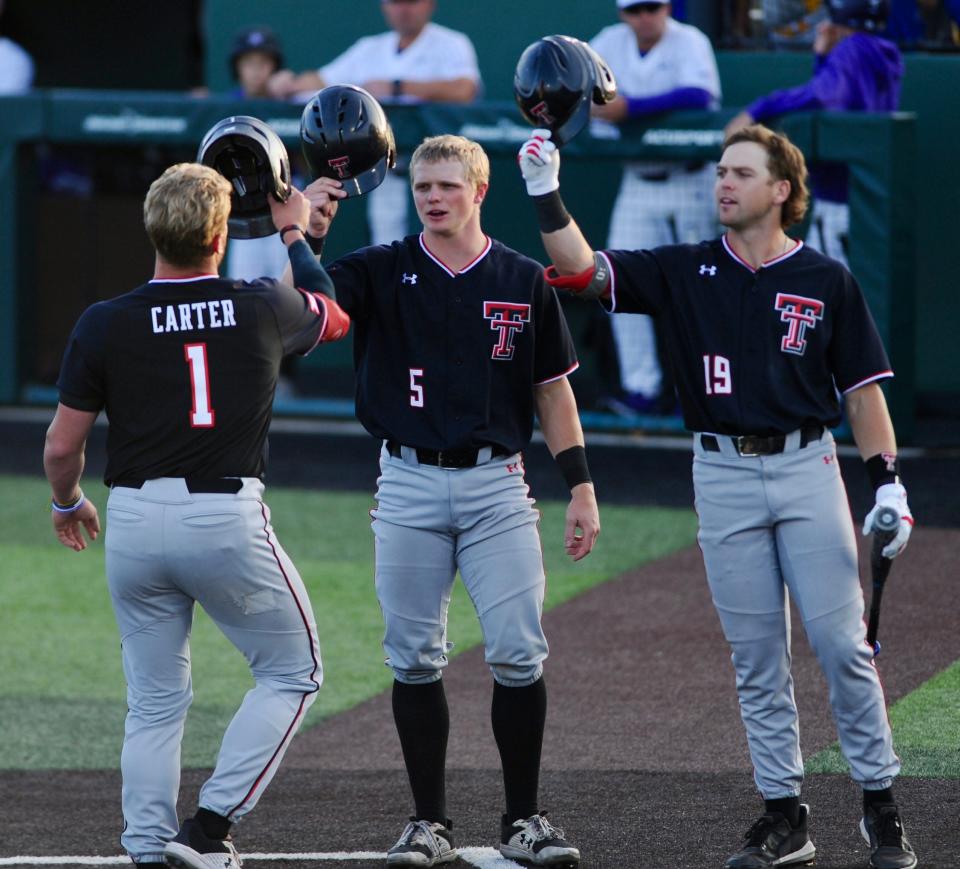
(518,716)
(423,724)
(878,798)
(214,826)
(789,807)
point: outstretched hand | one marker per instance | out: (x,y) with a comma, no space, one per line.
(324,196)
(69,527)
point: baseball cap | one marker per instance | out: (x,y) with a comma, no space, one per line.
(623,4)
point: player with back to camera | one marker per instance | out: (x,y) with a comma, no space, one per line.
(459,340)
(186,366)
(763,331)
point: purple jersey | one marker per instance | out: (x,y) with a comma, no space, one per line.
(862,74)
(755,351)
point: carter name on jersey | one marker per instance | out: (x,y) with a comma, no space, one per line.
(187,317)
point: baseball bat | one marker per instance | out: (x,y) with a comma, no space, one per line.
(885,526)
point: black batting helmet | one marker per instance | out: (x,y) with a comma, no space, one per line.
(344,134)
(250,155)
(557,78)
(868,15)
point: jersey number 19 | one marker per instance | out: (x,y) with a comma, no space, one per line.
(716,374)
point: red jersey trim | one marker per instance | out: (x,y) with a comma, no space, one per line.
(445,267)
(570,370)
(766,263)
(883,375)
(189,280)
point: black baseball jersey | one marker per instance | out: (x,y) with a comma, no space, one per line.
(760,351)
(186,371)
(450,359)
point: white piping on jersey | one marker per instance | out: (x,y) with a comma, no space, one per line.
(766,263)
(467,267)
(570,370)
(881,376)
(183,280)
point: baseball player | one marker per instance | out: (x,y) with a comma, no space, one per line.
(185,366)
(661,65)
(762,332)
(459,341)
(855,71)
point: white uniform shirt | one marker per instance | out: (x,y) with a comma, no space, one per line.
(16,68)
(437,54)
(682,58)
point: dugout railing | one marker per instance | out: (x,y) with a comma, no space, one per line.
(879,149)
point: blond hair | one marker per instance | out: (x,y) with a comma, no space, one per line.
(184,209)
(785,162)
(476,164)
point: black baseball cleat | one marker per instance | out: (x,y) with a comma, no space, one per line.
(534,841)
(191,848)
(423,843)
(889,848)
(771,841)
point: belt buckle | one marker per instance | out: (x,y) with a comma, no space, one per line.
(448,461)
(746,445)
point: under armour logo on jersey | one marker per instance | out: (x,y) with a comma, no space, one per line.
(507,318)
(409,279)
(707,270)
(801,313)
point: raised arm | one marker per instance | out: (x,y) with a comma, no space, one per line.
(576,267)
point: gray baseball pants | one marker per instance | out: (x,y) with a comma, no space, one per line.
(166,549)
(772,528)
(429,522)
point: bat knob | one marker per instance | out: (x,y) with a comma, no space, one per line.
(887,519)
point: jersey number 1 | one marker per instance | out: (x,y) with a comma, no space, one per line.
(201,415)
(716,373)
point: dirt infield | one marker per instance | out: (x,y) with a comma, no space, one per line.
(645,761)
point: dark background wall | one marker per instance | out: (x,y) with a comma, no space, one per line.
(178,44)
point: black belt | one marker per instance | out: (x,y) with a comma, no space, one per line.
(196,485)
(757,445)
(465,457)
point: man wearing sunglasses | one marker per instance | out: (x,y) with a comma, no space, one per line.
(414,61)
(660,65)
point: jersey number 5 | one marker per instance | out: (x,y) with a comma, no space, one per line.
(201,415)
(716,374)
(416,389)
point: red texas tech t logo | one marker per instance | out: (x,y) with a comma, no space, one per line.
(339,164)
(540,112)
(800,313)
(506,318)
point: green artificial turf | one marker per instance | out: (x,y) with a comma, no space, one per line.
(925,727)
(61,682)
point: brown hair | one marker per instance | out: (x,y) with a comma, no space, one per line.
(785,162)
(184,209)
(476,164)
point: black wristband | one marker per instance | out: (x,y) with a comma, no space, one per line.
(551,212)
(573,465)
(290,227)
(883,468)
(316,244)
